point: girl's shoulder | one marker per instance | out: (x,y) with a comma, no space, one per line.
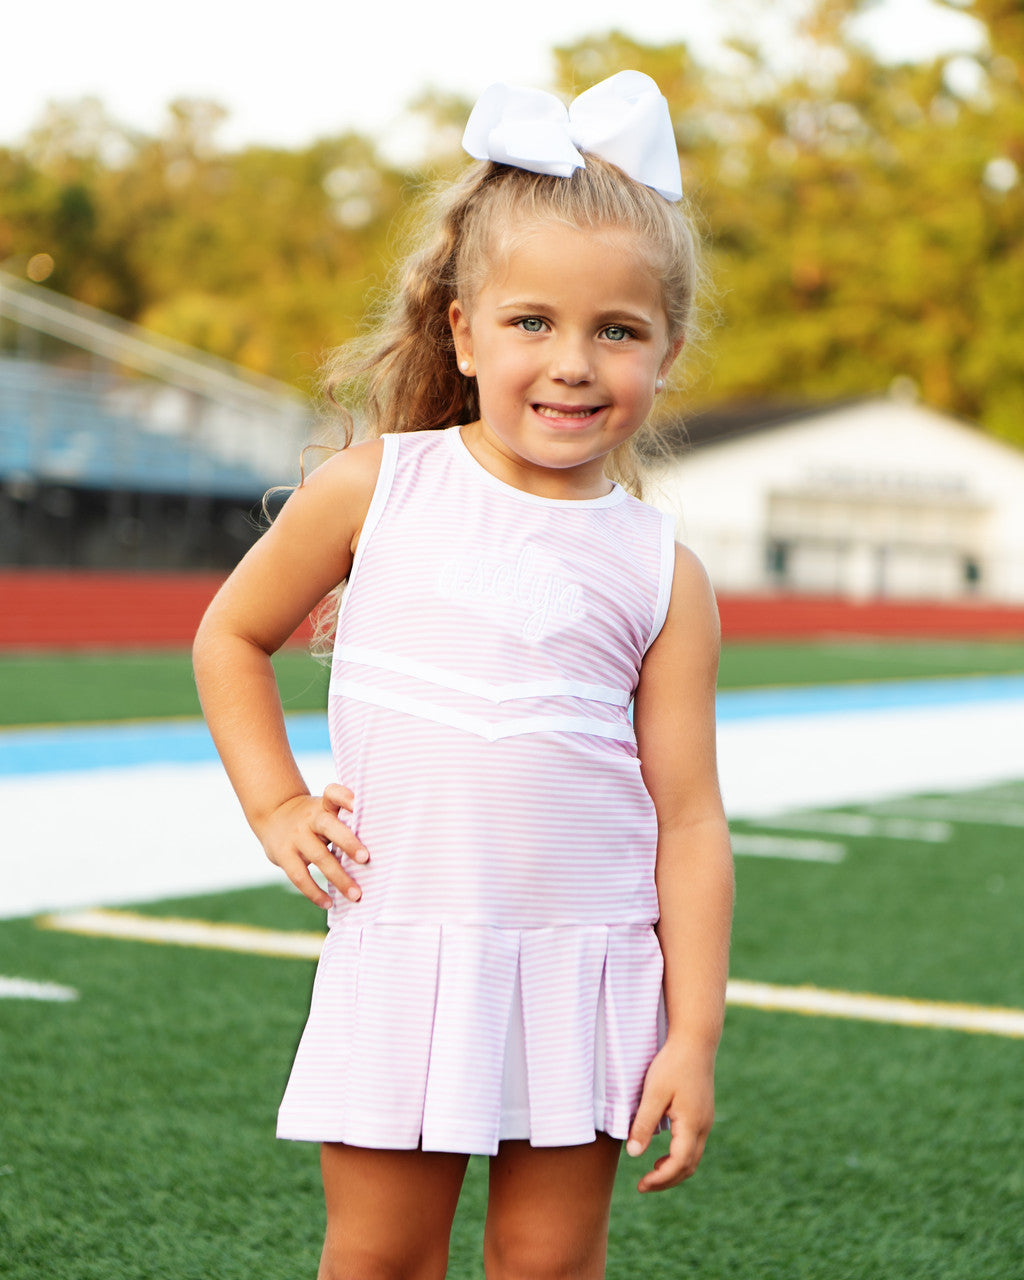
(360,464)
(356,464)
(331,502)
(692,616)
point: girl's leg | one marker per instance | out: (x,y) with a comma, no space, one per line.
(389,1213)
(547,1215)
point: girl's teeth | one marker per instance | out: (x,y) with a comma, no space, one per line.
(561,413)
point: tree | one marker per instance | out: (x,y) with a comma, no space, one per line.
(862,220)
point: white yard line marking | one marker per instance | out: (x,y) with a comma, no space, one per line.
(970,809)
(869,1008)
(25,989)
(814,1001)
(860,825)
(188,933)
(751,845)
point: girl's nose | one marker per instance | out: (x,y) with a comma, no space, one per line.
(570,362)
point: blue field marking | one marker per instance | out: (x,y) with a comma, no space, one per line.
(65,748)
(882,695)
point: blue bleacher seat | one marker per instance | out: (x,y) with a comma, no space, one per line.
(66,426)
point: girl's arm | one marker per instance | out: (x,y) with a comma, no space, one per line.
(305,553)
(675,728)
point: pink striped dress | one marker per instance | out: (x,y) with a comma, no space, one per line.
(500,977)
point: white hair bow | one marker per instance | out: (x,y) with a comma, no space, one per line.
(624,120)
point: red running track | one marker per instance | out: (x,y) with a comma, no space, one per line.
(799,617)
(56,609)
(83,610)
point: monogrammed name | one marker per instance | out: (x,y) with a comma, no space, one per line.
(548,601)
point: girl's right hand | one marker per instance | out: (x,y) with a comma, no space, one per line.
(297,836)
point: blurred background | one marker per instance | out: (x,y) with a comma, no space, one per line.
(849,425)
(196,204)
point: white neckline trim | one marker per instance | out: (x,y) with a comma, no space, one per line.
(461,449)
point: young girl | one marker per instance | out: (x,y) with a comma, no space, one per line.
(528,894)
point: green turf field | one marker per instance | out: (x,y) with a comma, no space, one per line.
(54,688)
(137,1120)
(132,685)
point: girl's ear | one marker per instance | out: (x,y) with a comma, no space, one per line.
(463,337)
(670,358)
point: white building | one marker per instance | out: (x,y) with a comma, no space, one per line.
(878,497)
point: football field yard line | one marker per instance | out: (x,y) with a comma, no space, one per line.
(171,931)
(860,1006)
(859,825)
(26,989)
(808,1000)
(966,809)
(749,844)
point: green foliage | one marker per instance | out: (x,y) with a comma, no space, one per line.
(263,256)
(864,219)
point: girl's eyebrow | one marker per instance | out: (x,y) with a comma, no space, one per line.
(627,314)
(523,304)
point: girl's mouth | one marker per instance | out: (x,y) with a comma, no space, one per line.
(565,413)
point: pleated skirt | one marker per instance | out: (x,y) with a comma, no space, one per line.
(454,1037)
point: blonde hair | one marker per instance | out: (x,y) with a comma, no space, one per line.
(404,375)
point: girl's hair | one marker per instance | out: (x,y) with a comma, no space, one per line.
(404,375)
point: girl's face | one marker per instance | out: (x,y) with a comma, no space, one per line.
(566,340)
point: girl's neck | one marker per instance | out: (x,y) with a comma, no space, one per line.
(570,484)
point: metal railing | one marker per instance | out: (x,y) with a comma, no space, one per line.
(133,347)
(150,413)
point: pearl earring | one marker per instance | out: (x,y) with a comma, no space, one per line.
(464,366)
(659,384)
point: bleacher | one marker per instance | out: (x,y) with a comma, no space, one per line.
(122,448)
(85,430)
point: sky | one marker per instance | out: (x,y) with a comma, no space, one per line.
(291,72)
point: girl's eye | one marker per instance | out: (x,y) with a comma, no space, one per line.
(617,332)
(531,324)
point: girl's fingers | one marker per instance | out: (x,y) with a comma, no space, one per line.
(680,1087)
(298,869)
(684,1155)
(331,831)
(326,861)
(646,1121)
(309,832)
(309,888)
(330,825)
(337,797)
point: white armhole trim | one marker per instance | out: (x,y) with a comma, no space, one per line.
(668,566)
(381,493)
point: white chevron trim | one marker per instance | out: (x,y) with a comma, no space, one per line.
(446,679)
(474,724)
